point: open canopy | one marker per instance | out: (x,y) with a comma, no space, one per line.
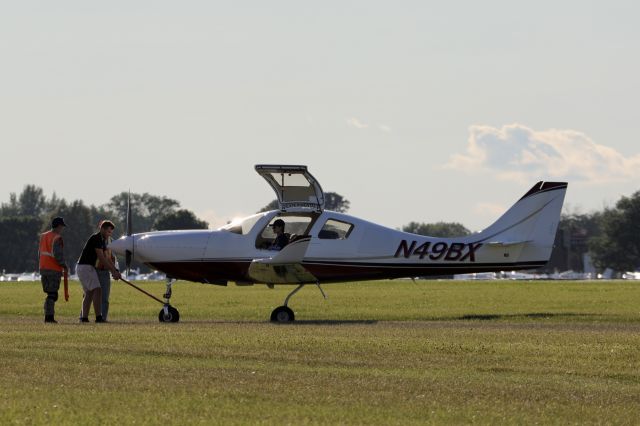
(295,187)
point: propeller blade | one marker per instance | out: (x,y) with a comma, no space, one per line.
(129,221)
(129,254)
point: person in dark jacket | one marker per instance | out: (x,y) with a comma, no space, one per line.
(281,238)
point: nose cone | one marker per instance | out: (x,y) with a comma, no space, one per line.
(121,245)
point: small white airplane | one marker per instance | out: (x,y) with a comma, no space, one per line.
(328,247)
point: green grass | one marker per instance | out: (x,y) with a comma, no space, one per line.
(388,352)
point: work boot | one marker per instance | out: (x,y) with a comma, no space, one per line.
(49,318)
(84,319)
(99,318)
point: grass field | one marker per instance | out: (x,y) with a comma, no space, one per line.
(388,352)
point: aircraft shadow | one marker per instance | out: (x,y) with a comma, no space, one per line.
(296,322)
(532,315)
(335,322)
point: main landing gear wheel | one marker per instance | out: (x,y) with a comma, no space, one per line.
(171,314)
(282,314)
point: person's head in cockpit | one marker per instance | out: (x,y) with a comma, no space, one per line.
(281,239)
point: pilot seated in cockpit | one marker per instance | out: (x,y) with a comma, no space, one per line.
(281,238)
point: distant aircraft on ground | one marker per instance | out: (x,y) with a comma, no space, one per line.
(329,247)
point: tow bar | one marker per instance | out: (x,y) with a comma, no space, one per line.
(168,313)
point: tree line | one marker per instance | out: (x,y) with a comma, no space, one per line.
(25,216)
(611,237)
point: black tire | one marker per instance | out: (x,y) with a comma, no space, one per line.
(282,314)
(173,315)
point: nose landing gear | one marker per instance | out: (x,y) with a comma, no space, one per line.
(168,313)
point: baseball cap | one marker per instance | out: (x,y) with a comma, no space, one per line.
(278,222)
(57,221)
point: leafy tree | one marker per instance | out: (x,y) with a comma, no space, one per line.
(575,230)
(332,201)
(145,209)
(12,208)
(273,205)
(336,202)
(618,247)
(31,202)
(19,243)
(180,219)
(439,229)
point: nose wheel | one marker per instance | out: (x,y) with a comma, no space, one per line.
(169,314)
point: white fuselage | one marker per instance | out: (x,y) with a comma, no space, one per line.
(343,248)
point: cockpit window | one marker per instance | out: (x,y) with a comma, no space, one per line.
(294,225)
(242,226)
(335,230)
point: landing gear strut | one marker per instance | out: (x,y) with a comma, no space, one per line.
(168,313)
(284,314)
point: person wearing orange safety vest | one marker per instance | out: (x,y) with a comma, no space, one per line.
(52,266)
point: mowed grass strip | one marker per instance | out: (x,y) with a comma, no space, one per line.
(389,352)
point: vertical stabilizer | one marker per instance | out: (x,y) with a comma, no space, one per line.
(530,224)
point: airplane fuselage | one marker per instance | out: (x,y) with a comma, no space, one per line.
(369,251)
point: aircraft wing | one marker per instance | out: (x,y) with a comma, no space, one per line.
(285,267)
(291,253)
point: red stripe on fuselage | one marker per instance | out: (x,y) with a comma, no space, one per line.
(217,272)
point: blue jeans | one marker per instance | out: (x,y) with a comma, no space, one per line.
(105,283)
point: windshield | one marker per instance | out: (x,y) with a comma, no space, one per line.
(242,226)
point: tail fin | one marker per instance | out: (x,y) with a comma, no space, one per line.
(529,226)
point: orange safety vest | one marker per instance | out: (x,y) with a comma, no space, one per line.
(47,259)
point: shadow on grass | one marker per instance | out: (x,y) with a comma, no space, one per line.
(532,315)
(296,322)
(335,322)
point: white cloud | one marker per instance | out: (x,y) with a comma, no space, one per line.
(354,122)
(518,152)
(384,128)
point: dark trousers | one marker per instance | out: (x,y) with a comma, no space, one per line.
(104,276)
(51,285)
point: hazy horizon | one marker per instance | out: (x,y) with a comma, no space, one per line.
(413,111)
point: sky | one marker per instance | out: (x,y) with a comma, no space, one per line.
(412,110)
